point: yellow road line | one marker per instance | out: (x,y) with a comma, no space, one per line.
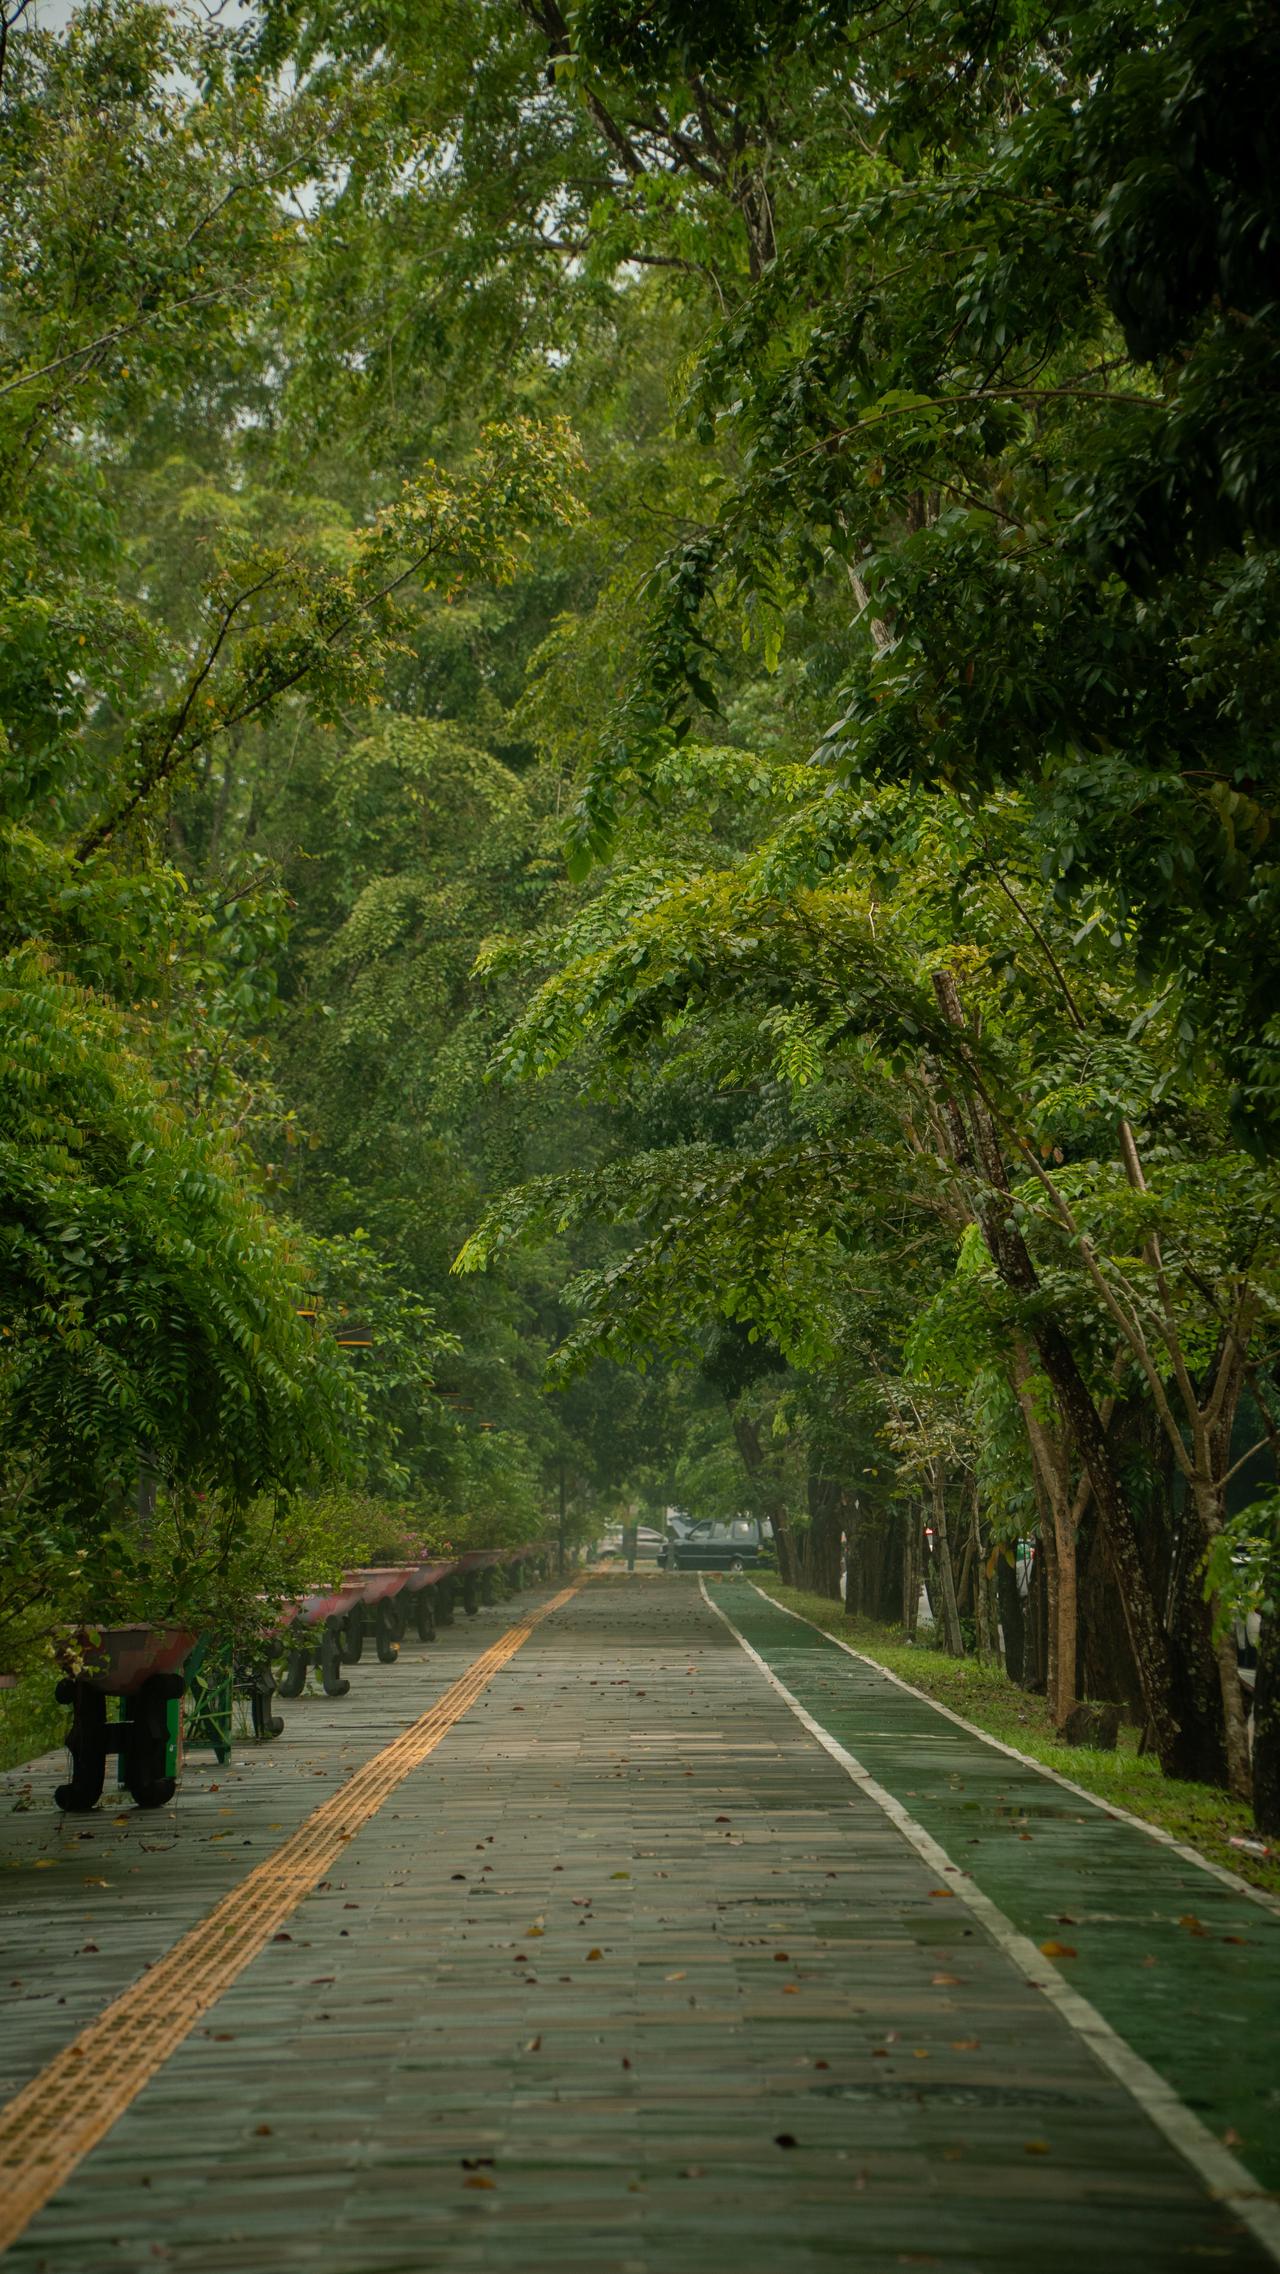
(47,2128)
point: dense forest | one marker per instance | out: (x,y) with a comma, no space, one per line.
(639,677)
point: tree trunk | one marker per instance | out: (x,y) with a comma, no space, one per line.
(784,1542)
(826,1509)
(1057,1552)
(1266,1716)
(1239,1776)
(952,1635)
(1012,1620)
(1035,1648)
(912,1527)
(885,1601)
(981,1588)
(1105,1668)
(1213,1462)
(1012,1260)
(769,1500)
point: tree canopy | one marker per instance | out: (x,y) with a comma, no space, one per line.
(638,663)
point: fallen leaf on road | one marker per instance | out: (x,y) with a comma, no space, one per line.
(594,1954)
(1057,1950)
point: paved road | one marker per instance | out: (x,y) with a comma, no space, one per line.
(628,1976)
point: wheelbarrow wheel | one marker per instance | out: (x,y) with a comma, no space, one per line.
(351,1635)
(424,1615)
(291,1673)
(386,1641)
(261,1685)
(146,1742)
(87,1746)
(334,1682)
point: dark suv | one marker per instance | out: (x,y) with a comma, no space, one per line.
(741,1544)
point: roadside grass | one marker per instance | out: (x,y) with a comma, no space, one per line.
(1196,1813)
(31,1721)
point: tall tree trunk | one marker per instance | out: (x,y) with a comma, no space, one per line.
(984,1621)
(1266,1715)
(1060,1518)
(1012,1260)
(1012,1619)
(1226,1664)
(884,1603)
(769,1499)
(912,1544)
(1035,1648)
(1049,1563)
(826,1510)
(946,1575)
(1213,1463)
(1105,1667)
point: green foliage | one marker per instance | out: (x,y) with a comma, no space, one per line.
(817,462)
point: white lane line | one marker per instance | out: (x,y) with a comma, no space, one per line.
(1220,1871)
(1225,2178)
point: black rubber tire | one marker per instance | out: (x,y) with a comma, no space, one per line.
(384,1635)
(424,1615)
(262,1689)
(291,1678)
(351,1635)
(145,1743)
(334,1682)
(86,1743)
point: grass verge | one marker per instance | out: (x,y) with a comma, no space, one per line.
(1197,1813)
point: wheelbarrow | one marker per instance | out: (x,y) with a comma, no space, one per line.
(139,1666)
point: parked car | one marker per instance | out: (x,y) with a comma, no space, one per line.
(649,1544)
(740,1544)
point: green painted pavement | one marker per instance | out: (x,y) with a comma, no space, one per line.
(628,1977)
(1183,1966)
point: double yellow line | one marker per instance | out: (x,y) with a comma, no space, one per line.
(47,2128)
